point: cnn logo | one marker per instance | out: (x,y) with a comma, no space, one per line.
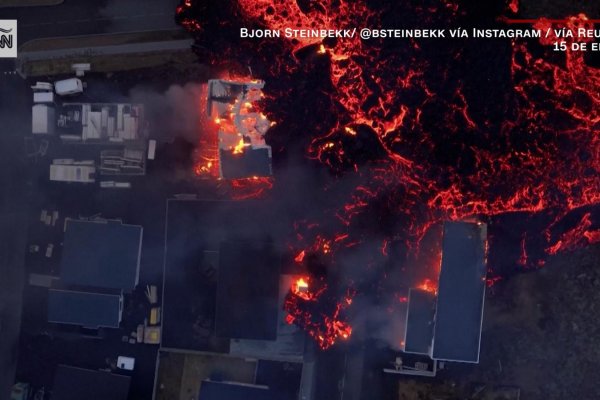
(8,38)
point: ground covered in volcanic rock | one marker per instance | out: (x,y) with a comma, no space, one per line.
(541,334)
(544,330)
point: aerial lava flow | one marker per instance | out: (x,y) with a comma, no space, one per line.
(414,133)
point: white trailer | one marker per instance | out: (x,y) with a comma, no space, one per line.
(43,97)
(67,87)
(83,172)
(42,119)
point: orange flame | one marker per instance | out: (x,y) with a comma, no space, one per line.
(300,289)
(239,148)
(428,286)
(301,283)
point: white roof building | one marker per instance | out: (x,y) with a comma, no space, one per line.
(101,122)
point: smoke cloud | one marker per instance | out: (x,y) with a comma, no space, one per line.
(178,112)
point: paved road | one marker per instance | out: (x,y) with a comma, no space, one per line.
(72,18)
(95,16)
(13,214)
(165,45)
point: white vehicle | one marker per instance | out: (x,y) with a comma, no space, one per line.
(113,184)
(77,171)
(68,87)
(126,363)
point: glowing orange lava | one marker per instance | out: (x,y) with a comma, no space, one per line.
(411,133)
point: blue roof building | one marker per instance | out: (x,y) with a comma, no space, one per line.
(103,254)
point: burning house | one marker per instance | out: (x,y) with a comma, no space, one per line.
(243,152)
(423,149)
(399,150)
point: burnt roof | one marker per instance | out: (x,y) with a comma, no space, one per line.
(461,293)
(247,291)
(101,254)
(251,162)
(71,383)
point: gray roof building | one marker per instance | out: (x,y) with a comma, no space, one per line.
(71,383)
(87,309)
(446,325)
(104,254)
(419,321)
(247,291)
(461,291)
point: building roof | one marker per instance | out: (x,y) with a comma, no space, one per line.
(419,321)
(289,343)
(90,310)
(251,162)
(71,383)
(101,254)
(233,391)
(461,293)
(194,233)
(98,122)
(247,291)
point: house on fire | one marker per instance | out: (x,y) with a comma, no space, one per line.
(243,152)
(446,325)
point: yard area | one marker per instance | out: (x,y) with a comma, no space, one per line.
(180,375)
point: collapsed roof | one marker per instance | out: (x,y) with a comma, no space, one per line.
(243,152)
